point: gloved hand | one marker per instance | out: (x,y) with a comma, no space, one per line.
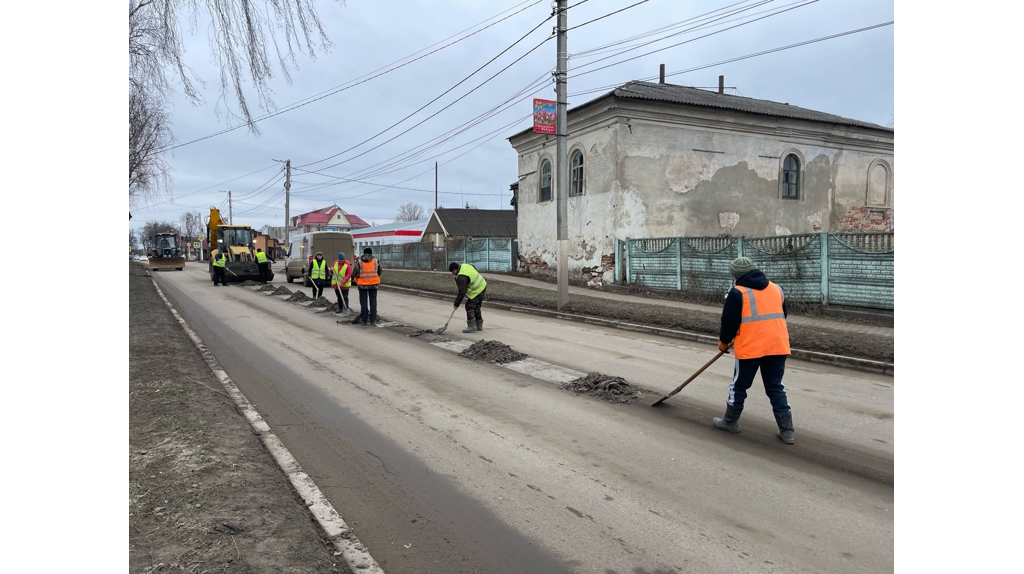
(456,305)
(723,347)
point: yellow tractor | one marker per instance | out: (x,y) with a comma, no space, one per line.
(238,242)
(166,252)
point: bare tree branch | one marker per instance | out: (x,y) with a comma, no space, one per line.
(411,212)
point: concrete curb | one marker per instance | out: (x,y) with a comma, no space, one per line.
(337,531)
(865,365)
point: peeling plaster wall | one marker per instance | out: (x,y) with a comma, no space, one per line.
(718,174)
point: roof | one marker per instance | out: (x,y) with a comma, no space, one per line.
(325,216)
(394,228)
(684,95)
(456,222)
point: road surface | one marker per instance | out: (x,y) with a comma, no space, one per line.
(442,464)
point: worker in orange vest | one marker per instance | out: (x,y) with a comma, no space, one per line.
(367,274)
(754,321)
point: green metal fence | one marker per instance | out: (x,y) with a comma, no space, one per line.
(494,254)
(855,269)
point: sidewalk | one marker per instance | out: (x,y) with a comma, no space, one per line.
(850,327)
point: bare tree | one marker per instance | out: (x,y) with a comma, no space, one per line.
(191,225)
(148,132)
(411,212)
(133,239)
(241,35)
(151,228)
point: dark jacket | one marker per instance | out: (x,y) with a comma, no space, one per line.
(358,267)
(732,313)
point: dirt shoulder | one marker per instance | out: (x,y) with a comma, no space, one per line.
(820,339)
(203,493)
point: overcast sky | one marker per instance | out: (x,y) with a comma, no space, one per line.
(851,76)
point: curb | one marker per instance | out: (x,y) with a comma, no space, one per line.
(337,531)
(866,365)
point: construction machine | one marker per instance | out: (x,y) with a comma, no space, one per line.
(166,252)
(238,243)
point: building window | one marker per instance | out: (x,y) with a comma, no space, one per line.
(545,181)
(791,177)
(576,175)
(878,184)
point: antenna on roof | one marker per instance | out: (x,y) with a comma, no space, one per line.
(721,84)
(662,75)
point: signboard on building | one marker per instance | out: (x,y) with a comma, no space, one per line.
(544,116)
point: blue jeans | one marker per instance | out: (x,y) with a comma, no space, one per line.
(370,294)
(772,368)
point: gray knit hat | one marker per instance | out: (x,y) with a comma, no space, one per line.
(741,266)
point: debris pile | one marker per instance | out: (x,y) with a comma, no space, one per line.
(298,297)
(357,318)
(492,352)
(420,332)
(266,288)
(604,387)
(282,290)
(322,302)
(249,283)
(329,308)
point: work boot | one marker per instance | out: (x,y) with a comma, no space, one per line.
(470,327)
(730,422)
(785,433)
(479,324)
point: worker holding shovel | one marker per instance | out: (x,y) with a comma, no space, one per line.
(471,285)
(341,281)
(754,322)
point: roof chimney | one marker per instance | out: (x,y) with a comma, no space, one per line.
(662,80)
(721,84)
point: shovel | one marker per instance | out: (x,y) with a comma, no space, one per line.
(441,330)
(692,377)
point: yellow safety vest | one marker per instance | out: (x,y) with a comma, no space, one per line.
(318,271)
(476,280)
(218,261)
(340,273)
(261,257)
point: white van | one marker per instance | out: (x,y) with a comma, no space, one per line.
(305,246)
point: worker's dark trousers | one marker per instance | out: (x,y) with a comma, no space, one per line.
(364,295)
(342,294)
(473,307)
(264,272)
(218,276)
(318,287)
(772,368)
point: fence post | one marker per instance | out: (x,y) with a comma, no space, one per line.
(679,263)
(487,253)
(629,274)
(823,237)
(618,261)
(739,250)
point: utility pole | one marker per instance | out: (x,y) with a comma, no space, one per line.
(561,167)
(287,196)
(435,185)
(231,219)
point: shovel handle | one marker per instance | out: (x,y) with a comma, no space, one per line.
(694,376)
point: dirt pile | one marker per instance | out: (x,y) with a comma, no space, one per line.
(250,283)
(328,308)
(266,288)
(282,290)
(604,387)
(298,297)
(492,352)
(322,302)
(355,319)
(420,332)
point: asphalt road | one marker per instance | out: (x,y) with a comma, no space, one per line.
(442,464)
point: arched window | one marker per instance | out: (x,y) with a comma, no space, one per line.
(576,175)
(878,184)
(545,181)
(791,177)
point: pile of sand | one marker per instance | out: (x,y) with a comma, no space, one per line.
(492,352)
(604,387)
(282,290)
(298,297)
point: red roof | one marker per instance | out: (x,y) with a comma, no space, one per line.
(356,221)
(325,217)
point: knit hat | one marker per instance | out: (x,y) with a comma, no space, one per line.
(367,251)
(453,266)
(341,255)
(741,266)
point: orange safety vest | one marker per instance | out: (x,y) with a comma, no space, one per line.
(368,272)
(763,324)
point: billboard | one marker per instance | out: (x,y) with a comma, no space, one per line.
(544,116)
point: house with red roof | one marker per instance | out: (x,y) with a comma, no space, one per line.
(331,218)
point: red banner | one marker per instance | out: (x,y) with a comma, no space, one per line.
(544,113)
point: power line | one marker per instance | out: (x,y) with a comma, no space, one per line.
(523,37)
(204,189)
(606,15)
(684,42)
(353,83)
